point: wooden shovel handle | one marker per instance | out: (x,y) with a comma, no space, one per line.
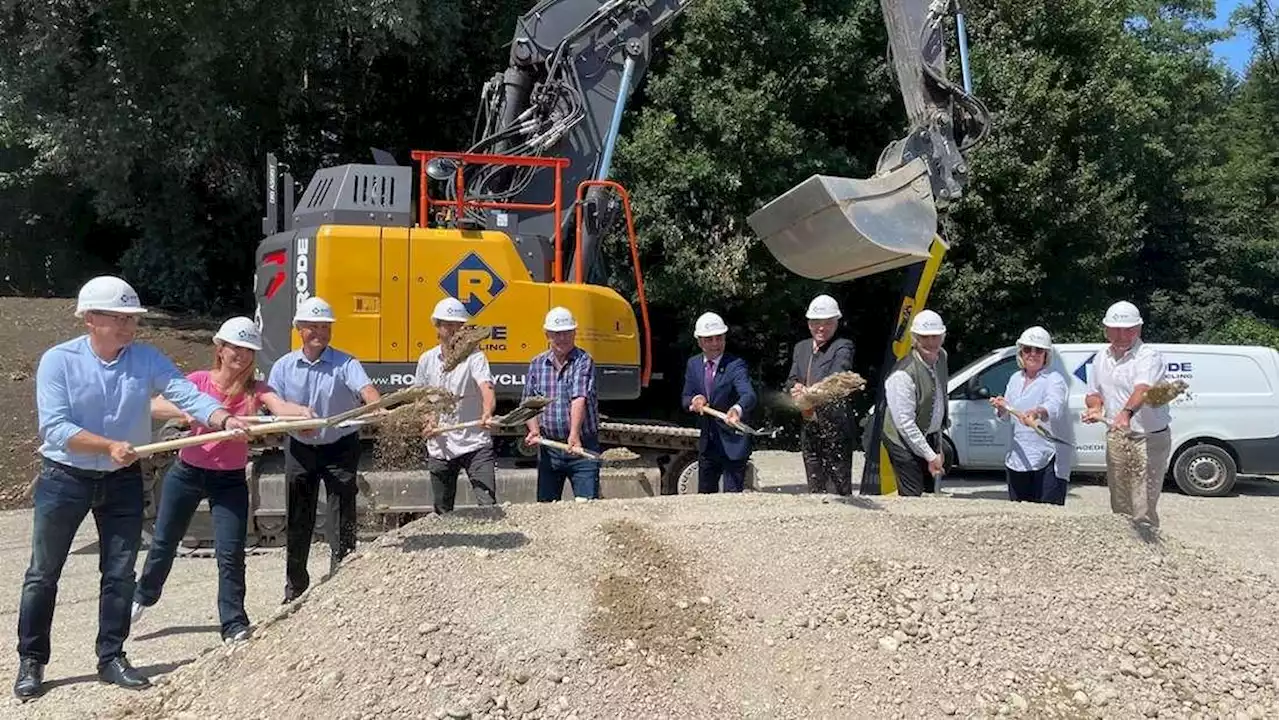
(565,447)
(724,418)
(458,426)
(254,431)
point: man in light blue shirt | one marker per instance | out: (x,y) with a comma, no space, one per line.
(329,382)
(93,398)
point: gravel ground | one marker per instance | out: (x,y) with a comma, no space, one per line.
(772,604)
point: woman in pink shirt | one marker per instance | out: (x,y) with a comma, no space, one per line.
(215,471)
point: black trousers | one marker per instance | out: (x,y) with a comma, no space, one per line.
(481,473)
(712,465)
(826,445)
(305,467)
(912,471)
(1037,486)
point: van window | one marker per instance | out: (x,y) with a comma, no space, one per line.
(996,378)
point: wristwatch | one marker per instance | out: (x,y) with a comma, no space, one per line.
(1128,410)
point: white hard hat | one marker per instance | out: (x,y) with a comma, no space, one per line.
(1036,337)
(108,294)
(314,309)
(927,322)
(240,331)
(823,307)
(709,325)
(1123,314)
(559,319)
(450,309)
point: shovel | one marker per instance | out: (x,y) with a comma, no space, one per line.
(739,426)
(565,447)
(340,420)
(1039,429)
(526,411)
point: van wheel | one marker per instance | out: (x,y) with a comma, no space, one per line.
(1205,471)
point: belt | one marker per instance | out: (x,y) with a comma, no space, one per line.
(86,474)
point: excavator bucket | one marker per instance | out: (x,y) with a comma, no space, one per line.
(835,228)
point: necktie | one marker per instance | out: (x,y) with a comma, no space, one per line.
(709,377)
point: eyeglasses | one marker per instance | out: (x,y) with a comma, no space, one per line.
(117,318)
(1031,351)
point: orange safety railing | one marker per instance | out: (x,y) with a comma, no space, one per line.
(646,367)
(461,203)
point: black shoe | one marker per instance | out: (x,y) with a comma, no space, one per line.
(120,672)
(30,678)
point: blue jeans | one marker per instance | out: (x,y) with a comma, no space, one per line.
(63,497)
(555,466)
(184,487)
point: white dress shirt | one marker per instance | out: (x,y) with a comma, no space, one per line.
(1115,377)
(1028,450)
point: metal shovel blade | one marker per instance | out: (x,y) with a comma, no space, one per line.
(835,228)
(520,414)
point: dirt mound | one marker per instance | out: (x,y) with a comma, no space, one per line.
(754,606)
(28,327)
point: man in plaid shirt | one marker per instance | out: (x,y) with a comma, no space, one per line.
(566,374)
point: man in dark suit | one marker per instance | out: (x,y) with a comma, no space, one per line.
(720,381)
(826,438)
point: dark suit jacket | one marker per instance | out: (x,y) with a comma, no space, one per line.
(807,369)
(731,386)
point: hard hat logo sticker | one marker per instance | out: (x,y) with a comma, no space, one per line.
(473,283)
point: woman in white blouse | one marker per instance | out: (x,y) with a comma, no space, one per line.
(1037,469)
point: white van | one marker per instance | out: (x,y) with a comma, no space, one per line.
(1228,421)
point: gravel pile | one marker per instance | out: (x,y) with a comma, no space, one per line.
(760,606)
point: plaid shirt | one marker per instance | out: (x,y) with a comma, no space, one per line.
(576,379)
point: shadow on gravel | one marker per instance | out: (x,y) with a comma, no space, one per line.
(980,495)
(859,502)
(803,489)
(1145,533)
(487,541)
(178,630)
(1255,487)
(149,671)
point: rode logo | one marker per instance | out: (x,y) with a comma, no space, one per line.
(301,266)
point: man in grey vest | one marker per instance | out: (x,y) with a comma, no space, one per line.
(916,399)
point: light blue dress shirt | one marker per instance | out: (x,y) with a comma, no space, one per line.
(76,390)
(328,386)
(1028,450)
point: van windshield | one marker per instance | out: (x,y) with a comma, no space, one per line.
(981,359)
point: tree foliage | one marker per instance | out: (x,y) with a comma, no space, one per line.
(1124,161)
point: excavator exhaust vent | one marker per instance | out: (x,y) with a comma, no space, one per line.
(835,228)
(357,195)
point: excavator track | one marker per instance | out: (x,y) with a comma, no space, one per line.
(667,465)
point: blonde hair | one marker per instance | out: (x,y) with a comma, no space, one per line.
(239,384)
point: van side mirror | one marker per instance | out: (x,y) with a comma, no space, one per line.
(982,393)
(976,391)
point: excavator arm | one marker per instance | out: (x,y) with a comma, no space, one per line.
(834,228)
(838,229)
(573,64)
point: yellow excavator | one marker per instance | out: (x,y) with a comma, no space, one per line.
(512,226)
